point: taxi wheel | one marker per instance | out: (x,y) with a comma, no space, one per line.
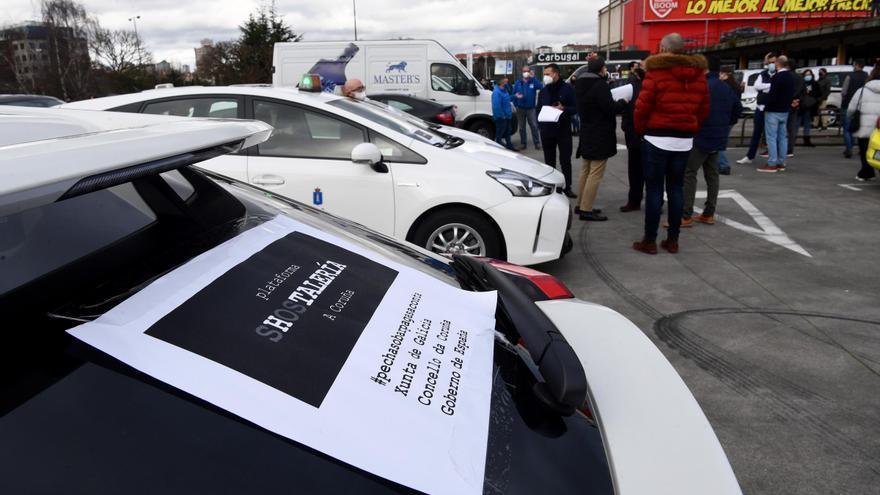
(458,231)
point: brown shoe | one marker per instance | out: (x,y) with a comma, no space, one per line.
(670,245)
(707,219)
(686,222)
(647,247)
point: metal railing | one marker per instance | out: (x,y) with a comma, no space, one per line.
(741,134)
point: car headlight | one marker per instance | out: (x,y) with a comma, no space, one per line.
(521,184)
(749,101)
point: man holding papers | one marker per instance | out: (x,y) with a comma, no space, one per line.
(556,125)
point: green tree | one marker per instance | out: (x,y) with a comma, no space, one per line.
(254,47)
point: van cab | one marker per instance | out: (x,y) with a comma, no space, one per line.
(422,68)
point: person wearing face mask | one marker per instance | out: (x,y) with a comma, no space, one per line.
(809,105)
(557,135)
(776,111)
(762,86)
(354,88)
(525,95)
(502,114)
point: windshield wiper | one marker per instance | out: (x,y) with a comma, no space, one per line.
(564,385)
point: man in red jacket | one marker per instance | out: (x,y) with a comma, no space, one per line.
(672,104)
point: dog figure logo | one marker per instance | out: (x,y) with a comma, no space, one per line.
(401,67)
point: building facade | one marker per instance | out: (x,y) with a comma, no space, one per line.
(640,24)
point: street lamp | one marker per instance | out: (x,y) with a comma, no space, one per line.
(354,13)
(137,39)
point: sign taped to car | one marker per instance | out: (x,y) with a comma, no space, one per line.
(319,340)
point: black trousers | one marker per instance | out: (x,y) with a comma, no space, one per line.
(792,129)
(562,139)
(635,169)
(867,171)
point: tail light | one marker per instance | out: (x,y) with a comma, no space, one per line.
(446,118)
(539,286)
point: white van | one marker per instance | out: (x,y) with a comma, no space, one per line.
(422,68)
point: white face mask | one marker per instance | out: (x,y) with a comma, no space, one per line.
(359,95)
(548,80)
(526,75)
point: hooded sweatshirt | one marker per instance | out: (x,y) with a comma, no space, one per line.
(674,99)
(869,106)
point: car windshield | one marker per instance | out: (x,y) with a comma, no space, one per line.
(68,410)
(386,116)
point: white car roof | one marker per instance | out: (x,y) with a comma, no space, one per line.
(46,151)
(291,94)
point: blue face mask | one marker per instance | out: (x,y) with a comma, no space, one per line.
(771,68)
(808,78)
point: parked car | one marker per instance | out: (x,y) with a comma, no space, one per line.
(837,74)
(427,110)
(440,191)
(30,100)
(98,207)
(742,33)
(749,96)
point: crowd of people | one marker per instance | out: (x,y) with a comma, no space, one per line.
(676,124)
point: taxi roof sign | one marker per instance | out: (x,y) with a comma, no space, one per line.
(310,82)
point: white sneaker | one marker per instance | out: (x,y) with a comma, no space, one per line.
(790,155)
(744,160)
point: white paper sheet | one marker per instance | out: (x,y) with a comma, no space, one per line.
(408,402)
(549,114)
(624,92)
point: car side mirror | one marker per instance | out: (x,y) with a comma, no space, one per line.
(369,154)
(472,88)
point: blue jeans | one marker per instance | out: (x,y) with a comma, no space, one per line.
(503,129)
(775,127)
(757,134)
(847,136)
(723,164)
(527,116)
(663,168)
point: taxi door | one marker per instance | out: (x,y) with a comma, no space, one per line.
(308,159)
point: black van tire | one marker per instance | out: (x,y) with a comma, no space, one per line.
(483,127)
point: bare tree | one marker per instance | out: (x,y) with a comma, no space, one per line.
(70,29)
(116,50)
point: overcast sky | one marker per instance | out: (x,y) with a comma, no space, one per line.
(172,28)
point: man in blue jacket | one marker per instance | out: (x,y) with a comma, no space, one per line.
(502,114)
(525,93)
(724,110)
(560,95)
(776,110)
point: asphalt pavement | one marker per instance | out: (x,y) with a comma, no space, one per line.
(770,316)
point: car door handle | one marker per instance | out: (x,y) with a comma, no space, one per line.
(268,180)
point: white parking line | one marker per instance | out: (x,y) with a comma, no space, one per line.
(767,229)
(858,185)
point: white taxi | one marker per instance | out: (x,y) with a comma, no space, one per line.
(446,190)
